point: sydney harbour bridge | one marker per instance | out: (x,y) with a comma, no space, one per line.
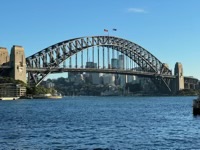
(108,54)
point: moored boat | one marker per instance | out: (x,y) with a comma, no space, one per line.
(9,98)
(47,96)
(196,106)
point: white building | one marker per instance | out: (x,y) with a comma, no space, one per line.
(50,84)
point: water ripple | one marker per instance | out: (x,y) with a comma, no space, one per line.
(97,123)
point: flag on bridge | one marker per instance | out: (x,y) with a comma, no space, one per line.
(105,30)
(114,29)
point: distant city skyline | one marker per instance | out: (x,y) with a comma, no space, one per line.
(167,29)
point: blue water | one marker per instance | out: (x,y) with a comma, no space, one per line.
(99,122)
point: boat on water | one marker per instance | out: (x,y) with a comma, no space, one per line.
(196,106)
(8,98)
(47,96)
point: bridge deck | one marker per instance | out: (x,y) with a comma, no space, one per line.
(94,70)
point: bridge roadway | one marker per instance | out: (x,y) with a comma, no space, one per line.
(94,70)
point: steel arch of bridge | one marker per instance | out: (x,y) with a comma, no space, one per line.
(54,55)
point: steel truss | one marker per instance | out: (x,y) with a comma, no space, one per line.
(54,55)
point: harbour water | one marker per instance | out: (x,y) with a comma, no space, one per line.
(99,123)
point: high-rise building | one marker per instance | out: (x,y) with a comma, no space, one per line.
(114,63)
(96,78)
(109,79)
(91,65)
(121,62)
(79,78)
(122,78)
(72,76)
(93,77)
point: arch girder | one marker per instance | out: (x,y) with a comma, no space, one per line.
(54,55)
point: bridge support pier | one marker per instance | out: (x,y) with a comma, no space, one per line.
(179,81)
(18,63)
(4,56)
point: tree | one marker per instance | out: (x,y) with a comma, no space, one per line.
(133,87)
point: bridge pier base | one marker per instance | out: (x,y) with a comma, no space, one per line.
(18,63)
(179,81)
(4,56)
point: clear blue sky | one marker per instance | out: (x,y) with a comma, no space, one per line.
(168,29)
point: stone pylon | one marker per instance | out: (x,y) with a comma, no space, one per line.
(18,63)
(178,72)
(4,56)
